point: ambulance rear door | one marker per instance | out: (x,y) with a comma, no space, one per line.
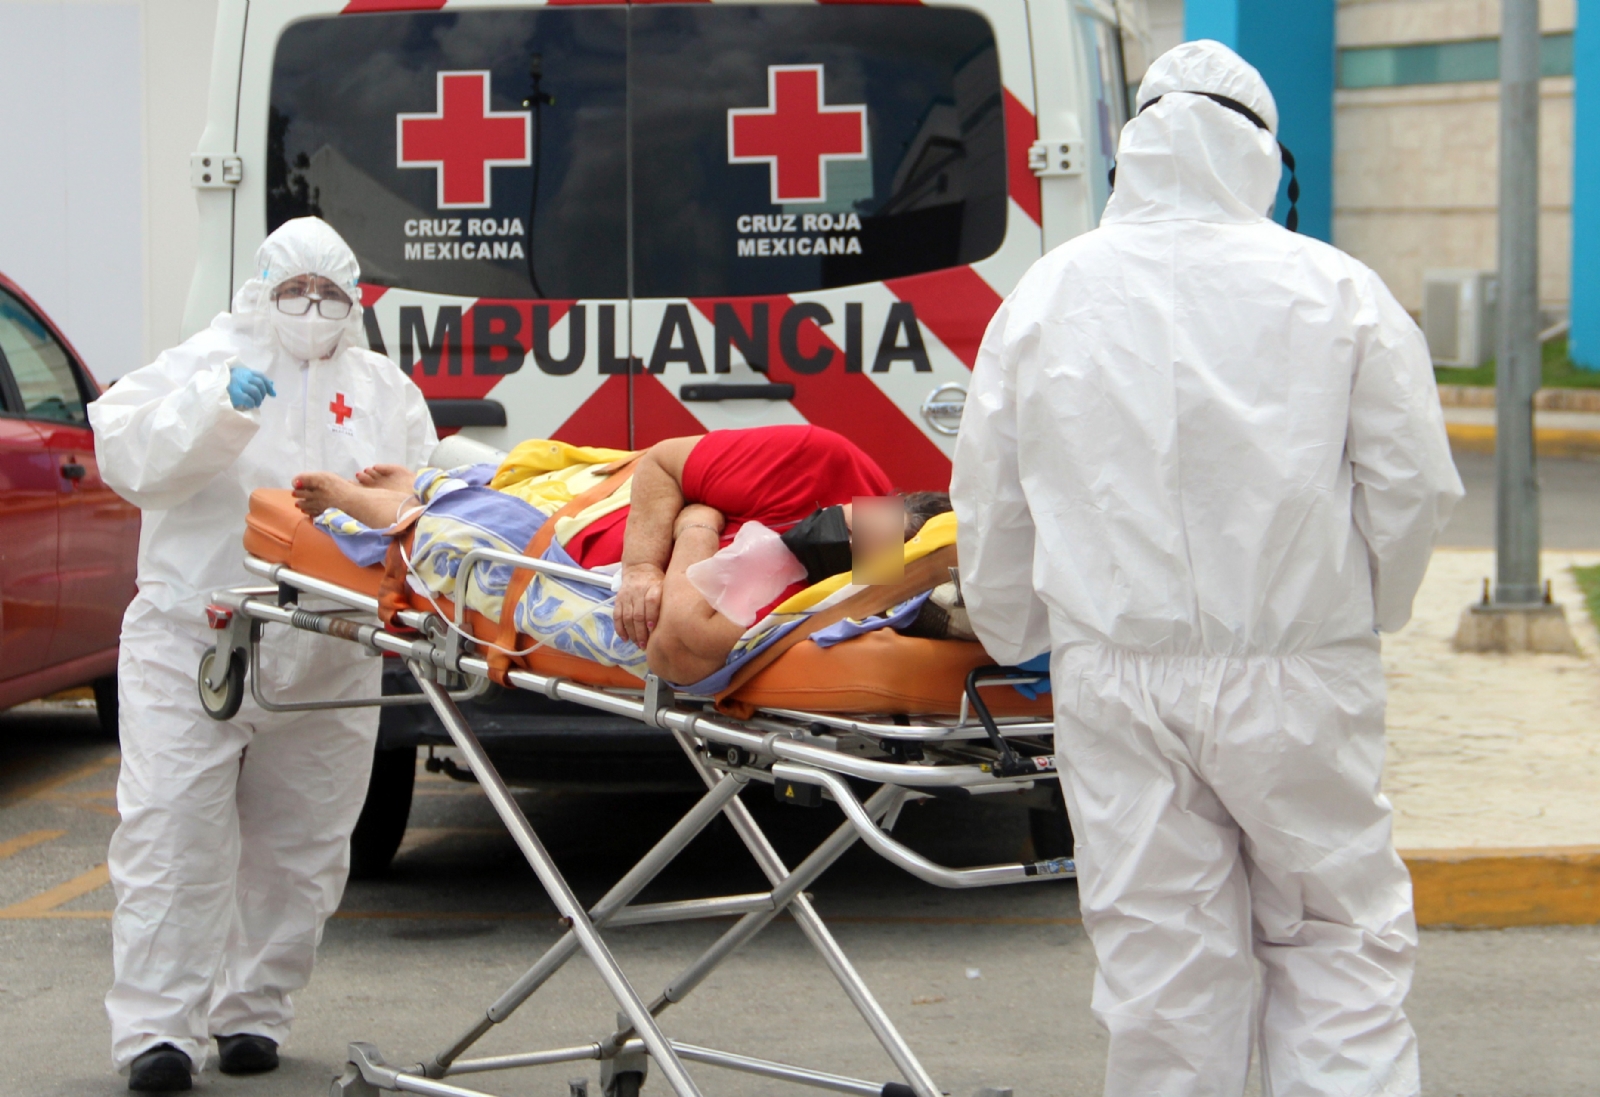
(476,161)
(829,202)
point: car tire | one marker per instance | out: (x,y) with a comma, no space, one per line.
(105,703)
(383,817)
(1050,828)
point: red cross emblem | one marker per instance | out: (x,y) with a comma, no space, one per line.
(463,139)
(341,410)
(795,133)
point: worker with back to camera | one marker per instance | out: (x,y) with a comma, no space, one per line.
(234,842)
(1202,464)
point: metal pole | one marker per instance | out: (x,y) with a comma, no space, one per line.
(1518,374)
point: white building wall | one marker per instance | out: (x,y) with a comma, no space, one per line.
(177,51)
(97,221)
(1416,181)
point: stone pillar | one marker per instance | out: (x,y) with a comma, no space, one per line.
(1583,344)
(1292,44)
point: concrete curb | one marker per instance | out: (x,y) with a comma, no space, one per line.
(1496,888)
(1547,441)
(1483,396)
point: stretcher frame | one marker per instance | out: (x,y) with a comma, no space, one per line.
(803,754)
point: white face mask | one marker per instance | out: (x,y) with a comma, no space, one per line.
(307,337)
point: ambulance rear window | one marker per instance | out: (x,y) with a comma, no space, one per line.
(783,148)
(413,135)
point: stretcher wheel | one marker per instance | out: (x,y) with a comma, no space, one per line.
(222,704)
(626,1084)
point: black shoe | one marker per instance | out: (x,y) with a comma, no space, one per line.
(246,1053)
(161,1069)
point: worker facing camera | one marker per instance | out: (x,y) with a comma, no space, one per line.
(233,845)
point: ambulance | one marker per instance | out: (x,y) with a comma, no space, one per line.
(617,223)
(614,223)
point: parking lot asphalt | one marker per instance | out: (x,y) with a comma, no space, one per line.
(1569,503)
(991,987)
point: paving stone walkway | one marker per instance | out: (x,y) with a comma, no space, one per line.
(1492,751)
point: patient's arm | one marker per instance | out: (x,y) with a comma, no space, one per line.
(692,640)
(655,499)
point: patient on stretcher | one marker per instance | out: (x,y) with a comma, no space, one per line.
(686,499)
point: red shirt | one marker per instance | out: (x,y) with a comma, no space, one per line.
(773,475)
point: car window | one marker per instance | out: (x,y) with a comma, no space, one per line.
(44,376)
(1109,95)
(781,148)
(419,137)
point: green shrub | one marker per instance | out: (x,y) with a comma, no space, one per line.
(1558,371)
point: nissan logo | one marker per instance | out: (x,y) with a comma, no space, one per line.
(942,408)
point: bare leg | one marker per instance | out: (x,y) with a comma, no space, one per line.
(315,492)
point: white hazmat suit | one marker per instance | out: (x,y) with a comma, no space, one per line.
(234,841)
(1202,462)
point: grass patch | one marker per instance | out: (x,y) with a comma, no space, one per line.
(1589,582)
(1557,369)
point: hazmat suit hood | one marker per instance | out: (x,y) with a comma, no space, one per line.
(303,245)
(1187,157)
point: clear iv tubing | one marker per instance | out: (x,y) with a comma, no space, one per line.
(453,627)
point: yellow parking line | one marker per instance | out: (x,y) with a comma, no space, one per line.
(33,838)
(87,801)
(45,902)
(50,784)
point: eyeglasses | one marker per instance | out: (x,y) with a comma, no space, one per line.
(299,304)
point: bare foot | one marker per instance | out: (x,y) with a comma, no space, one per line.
(386,478)
(315,492)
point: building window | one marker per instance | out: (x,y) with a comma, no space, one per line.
(1443,62)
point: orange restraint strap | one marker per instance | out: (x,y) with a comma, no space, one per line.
(393,593)
(499,661)
(920,575)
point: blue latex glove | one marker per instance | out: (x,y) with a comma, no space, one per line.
(247,388)
(1032,690)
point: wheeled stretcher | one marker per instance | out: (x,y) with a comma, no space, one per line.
(916,718)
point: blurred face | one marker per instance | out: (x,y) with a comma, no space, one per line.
(877,539)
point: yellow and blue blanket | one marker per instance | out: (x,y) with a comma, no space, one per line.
(474,507)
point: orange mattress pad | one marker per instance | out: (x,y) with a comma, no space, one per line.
(879,672)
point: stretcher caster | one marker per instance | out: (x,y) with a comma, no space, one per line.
(222,703)
(623,1074)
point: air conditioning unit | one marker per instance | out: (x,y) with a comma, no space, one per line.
(1458,316)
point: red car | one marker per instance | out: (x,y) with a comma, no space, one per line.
(68,543)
